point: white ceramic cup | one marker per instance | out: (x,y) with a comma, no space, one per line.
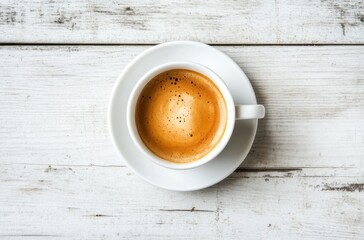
(234,112)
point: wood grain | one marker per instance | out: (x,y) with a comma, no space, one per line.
(76,202)
(60,178)
(53,103)
(221,22)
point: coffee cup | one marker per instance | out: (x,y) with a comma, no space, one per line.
(231,112)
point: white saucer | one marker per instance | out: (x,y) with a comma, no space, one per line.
(237,148)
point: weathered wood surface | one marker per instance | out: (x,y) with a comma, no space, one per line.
(80,202)
(53,103)
(223,22)
(60,178)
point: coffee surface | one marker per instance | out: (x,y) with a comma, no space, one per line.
(181,115)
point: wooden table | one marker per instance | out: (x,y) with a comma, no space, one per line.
(60,177)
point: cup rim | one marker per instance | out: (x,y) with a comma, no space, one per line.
(130,114)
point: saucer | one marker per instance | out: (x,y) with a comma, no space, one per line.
(235,151)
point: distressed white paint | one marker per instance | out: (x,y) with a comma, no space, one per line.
(53,103)
(143,21)
(61,179)
(80,202)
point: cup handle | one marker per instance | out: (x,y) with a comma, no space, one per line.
(249,112)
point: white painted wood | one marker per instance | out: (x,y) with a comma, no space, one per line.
(70,202)
(54,99)
(60,177)
(224,22)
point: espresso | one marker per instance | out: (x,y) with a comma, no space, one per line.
(181,115)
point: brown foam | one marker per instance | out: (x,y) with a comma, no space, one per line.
(181,115)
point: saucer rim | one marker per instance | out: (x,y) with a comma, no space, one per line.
(111,103)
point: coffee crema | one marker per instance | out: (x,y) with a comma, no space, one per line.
(181,115)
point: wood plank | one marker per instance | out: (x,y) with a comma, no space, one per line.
(222,22)
(53,103)
(61,202)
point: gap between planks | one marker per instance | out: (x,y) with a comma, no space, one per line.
(153,44)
